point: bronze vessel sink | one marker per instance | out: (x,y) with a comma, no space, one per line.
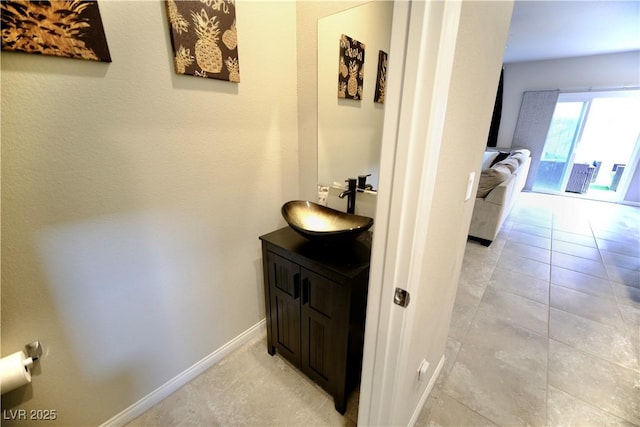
(317,222)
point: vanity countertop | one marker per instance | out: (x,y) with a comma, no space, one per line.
(345,258)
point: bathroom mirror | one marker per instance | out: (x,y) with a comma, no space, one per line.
(350,131)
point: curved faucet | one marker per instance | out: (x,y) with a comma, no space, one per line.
(351,193)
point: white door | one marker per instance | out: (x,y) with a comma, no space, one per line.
(424,35)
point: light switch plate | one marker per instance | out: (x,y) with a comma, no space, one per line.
(472,177)
(423,369)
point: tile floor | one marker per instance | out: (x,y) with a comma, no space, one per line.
(546,325)
(545,331)
(249,388)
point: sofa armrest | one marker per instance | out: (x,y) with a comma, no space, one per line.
(498,195)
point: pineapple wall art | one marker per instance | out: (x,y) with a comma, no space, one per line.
(381,80)
(204,38)
(71,29)
(351,73)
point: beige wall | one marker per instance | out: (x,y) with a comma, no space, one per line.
(132,202)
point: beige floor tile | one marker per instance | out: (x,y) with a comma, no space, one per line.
(249,388)
(579,239)
(624,247)
(627,295)
(576,263)
(624,276)
(508,343)
(520,284)
(576,250)
(445,411)
(608,342)
(575,280)
(593,380)
(512,262)
(631,316)
(466,303)
(515,310)
(567,222)
(565,410)
(498,391)
(528,251)
(476,273)
(621,260)
(588,306)
(186,407)
(450,355)
(530,228)
(530,239)
(476,253)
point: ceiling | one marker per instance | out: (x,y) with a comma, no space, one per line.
(559,29)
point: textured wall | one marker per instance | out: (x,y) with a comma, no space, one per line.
(132,202)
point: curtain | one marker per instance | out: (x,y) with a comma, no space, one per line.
(534,119)
(497,114)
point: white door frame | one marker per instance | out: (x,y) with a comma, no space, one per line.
(423,42)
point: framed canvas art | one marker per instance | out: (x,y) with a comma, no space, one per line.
(381,80)
(351,72)
(65,28)
(204,38)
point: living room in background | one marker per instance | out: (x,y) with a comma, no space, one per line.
(592,145)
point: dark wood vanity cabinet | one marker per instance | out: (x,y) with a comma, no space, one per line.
(315,298)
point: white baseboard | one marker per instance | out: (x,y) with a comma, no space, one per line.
(162,392)
(427,391)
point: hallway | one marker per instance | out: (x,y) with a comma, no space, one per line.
(545,331)
(546,323)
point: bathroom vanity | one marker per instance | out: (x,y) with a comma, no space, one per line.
(316,298)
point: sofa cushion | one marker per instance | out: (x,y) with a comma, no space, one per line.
(500,157)
(491,178)
(511,163)
(524,151)
(519,156)
(488,158)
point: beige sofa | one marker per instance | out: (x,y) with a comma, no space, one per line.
(502,178)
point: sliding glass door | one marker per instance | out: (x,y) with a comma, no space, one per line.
(592,145)
(559,146)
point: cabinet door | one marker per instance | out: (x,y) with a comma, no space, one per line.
(284,286)
(324,323)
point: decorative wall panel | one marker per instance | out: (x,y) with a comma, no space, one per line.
(204,38)
(351,74)
(71,29)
